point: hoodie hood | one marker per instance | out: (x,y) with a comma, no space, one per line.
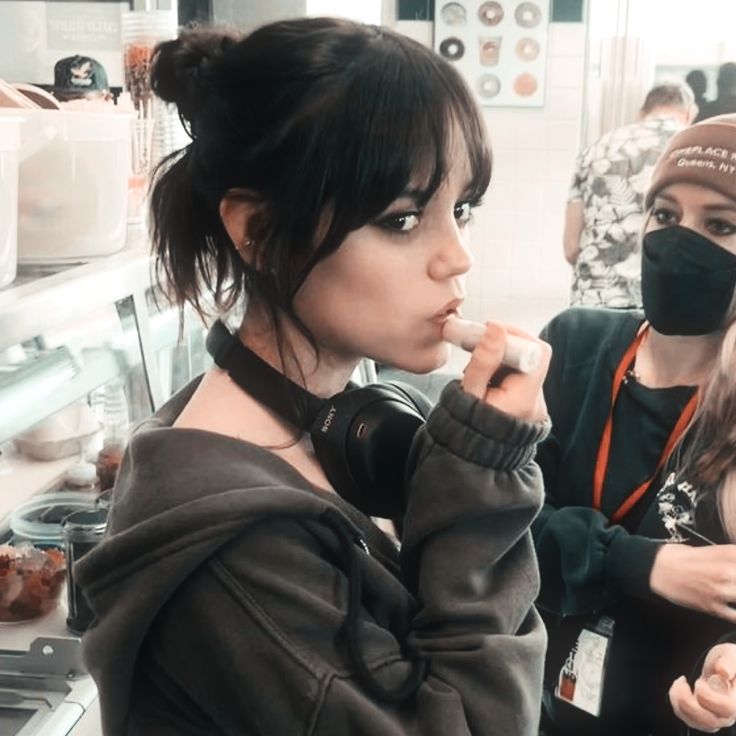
(181,494)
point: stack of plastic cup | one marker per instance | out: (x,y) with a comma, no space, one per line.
(142,30)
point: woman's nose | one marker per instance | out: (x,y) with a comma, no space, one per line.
(452,256)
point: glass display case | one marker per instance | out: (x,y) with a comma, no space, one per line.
(87,350)
(75,336)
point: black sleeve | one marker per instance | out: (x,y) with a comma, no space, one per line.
(585,563)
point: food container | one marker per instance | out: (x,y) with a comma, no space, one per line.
(9,147)
(73,182)
(31,581)
(82,530)
(68,432)
(39,519)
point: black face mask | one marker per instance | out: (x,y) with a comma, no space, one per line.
(687,281)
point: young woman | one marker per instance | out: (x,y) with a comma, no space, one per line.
(331,179)
(644,453)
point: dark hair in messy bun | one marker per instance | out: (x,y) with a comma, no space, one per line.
(180,68)
(322,123)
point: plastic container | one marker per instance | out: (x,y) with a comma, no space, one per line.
(39,519)
(154,131)
(9,148)
(31,581)
(73,181)
(83,530)
(65,433)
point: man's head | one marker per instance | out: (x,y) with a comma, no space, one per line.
(698,82)
(80,77)
(671,99)
(726,81)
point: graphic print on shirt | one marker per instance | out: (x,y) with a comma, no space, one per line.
(676,503)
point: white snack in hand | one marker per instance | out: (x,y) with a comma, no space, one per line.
(521,354)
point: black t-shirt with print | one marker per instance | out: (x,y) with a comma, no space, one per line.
(654,641)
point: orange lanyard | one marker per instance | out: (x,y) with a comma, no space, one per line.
(604,451)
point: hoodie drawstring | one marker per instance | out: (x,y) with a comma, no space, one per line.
(348,538)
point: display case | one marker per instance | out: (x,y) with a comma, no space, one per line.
(83,347)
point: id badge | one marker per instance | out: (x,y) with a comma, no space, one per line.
(580,682)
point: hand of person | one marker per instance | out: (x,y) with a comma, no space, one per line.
(711,704)
(701,578)
(518,394)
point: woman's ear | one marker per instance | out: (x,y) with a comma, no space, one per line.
(236,211)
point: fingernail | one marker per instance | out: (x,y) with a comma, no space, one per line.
(718,683)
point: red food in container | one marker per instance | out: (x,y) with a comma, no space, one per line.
(31,581)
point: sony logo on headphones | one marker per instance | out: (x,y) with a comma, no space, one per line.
(328,419)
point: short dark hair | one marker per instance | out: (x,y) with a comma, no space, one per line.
(668,94)
(697,81)
(726,80)
(323,123)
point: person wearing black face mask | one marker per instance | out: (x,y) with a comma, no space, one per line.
(636,538)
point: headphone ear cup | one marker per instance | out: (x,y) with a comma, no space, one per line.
(379,444)
(362,439)
(420,401)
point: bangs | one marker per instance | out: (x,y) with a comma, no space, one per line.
(407,109)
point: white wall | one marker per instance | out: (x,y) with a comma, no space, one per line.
(520,275)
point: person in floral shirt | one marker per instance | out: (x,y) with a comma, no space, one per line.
(605,210)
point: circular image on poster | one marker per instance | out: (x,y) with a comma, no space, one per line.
(528,15)
(527,49)
(453,14)
(525,85)
(490,14)
(452,49)
(489,85)
(489,50)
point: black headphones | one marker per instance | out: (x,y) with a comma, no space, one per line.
(361,436)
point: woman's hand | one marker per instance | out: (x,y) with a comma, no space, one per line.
(711,704)
(701,578)
(518,394)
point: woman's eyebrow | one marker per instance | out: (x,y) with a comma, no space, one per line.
(724,206)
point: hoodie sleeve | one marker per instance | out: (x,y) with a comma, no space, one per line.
(468,555)
(271,606)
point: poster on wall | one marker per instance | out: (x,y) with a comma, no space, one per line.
(500,48)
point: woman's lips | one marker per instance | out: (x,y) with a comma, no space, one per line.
(451,309)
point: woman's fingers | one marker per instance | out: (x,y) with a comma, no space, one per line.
(485,360)
(721,661)
(690,711)
(720,702)
(521,393)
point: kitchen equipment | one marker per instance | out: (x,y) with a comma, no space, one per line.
(9,147)
(40,96)
(44,688)
(73,179)
(11,97)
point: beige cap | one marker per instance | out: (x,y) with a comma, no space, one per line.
(704,153)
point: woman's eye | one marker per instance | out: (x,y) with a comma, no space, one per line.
(463,213)
(401,222)
(664,216)
(717,226)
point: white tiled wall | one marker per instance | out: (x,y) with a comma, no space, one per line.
(520,275)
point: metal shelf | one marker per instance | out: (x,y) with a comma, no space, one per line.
(31,306)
